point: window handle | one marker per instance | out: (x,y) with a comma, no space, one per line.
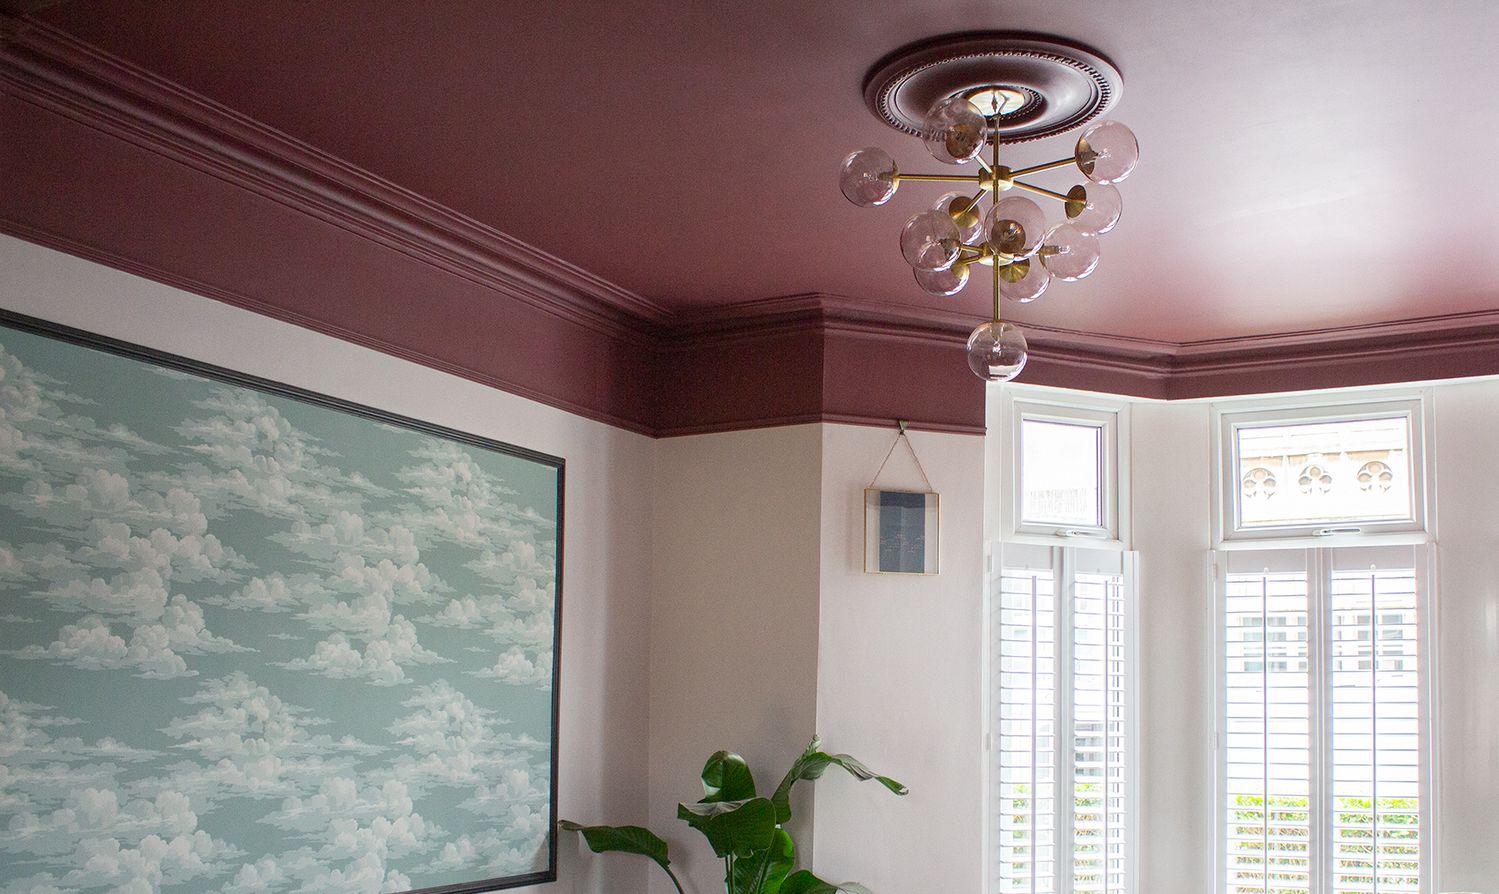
(1074,532)
(1328,532)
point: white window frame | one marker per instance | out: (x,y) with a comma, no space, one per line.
(1229,417)
(1112,418)
(1064,565)
(1319,572)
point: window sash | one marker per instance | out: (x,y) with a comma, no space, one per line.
(1364,743)
(1111,421)
(1232,533)
(1062,753)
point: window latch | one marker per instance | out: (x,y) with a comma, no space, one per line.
(1075,532)
(1328,532)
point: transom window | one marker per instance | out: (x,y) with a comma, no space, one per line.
(1065,472)
(1356,469)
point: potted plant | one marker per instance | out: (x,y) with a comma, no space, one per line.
(745,830)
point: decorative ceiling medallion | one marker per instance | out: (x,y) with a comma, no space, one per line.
(1056,85)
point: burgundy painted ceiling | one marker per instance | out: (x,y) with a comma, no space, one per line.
(1307,163)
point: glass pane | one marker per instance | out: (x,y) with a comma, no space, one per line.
(1061,471)
(1324,472)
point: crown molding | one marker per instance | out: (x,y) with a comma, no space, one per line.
(51,68)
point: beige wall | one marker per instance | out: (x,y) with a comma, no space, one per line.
(734,619)
(898,682)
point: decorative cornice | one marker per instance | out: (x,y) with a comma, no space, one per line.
(384,346)
(49,67)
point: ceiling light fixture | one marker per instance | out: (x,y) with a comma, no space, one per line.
(965,96)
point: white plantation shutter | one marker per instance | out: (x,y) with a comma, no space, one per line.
(1375,716)
(1323,750)
(1061,721)
(1267,712)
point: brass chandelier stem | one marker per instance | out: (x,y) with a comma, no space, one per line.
(994,199)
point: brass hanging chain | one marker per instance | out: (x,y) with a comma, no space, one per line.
(901,436)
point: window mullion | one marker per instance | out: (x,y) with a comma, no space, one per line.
(1066,734)
(1320,818)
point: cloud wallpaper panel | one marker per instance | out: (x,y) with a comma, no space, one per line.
(250,643)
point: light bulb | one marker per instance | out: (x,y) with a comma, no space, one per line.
(954,131)
(964,212)
(868,177)
(1099,210)
(943,282)
(1029,282)
(1107,152)
(997,351)
(1015,226)
(930,241)
(1068,253)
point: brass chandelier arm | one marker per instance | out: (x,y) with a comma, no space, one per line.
(940,178)
(1042,191)
(973,203)
(1047,166)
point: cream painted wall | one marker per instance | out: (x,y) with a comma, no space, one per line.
(898,681)
(606,576)
(1171,480)
(1467,651)
(1171,524)
(734,619)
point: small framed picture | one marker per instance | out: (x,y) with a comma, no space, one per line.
(900,532)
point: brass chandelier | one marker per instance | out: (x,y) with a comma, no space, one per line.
(1027,88)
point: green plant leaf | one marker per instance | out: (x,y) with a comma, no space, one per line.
(726,777)
(804,882)
(621,839)
(812,764)
(763,872)
(733,827)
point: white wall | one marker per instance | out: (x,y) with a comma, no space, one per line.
(898,682)
(1467,649)
(734,619)
(605,631)
(1171,526)
(1171,481)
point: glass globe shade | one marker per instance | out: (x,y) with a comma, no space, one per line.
(943,282)
(997,351)
(1107,152)
(1102,206)
(954,131)
(968,219)
(1068,253)
(1015,226)
(1031,284)
(868,177)
(930,241)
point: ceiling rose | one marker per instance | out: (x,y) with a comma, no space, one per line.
(1055,85)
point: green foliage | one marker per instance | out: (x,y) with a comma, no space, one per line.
(1272,833)
(743,829)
